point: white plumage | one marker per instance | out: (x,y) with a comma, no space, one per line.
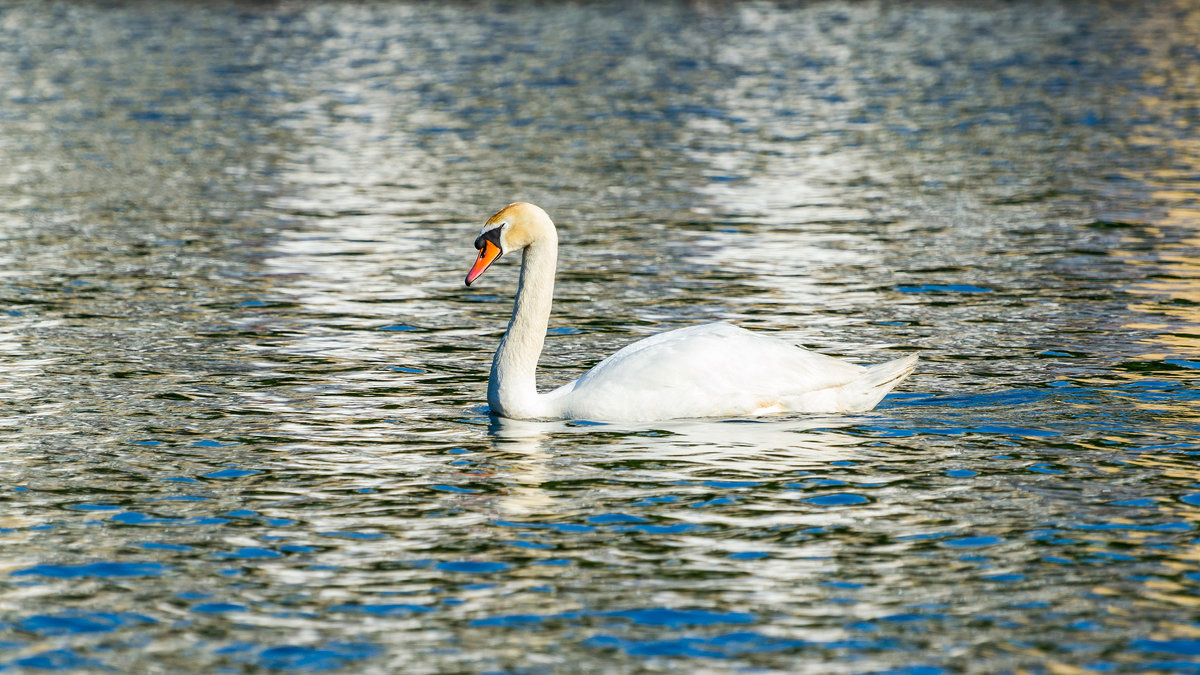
(711,370)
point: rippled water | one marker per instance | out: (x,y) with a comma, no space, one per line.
(242,417)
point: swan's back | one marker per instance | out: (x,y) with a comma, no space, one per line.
(721,370)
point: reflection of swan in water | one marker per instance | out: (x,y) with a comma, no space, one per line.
(683,464)
(526,439)
(768,446)
(713,370)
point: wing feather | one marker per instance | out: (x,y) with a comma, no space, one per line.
(711,369)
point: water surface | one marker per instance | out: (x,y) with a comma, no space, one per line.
(242,416)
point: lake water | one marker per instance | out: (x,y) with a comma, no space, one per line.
(242,387)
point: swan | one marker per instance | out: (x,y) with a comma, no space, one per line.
(711,370)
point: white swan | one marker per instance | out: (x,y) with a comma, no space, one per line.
(712,370)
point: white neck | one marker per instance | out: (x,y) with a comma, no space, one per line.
(512,388)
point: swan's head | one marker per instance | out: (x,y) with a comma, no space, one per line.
(513,228)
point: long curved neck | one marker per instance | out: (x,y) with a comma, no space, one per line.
(512,388)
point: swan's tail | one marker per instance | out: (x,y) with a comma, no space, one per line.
(867,391)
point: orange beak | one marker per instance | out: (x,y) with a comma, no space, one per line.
(487,255)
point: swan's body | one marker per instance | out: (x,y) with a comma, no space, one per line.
(703,371)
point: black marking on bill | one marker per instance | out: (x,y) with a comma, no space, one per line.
(492,235)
